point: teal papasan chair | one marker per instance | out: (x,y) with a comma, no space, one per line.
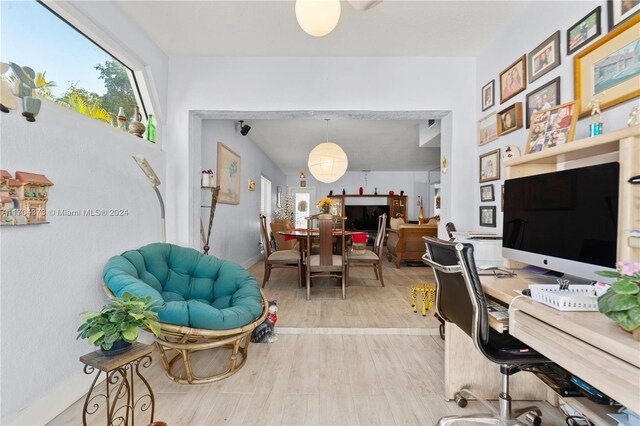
(203,303)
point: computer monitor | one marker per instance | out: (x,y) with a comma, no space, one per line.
(565,221)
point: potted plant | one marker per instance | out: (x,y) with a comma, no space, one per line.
(621,302)
(115,327)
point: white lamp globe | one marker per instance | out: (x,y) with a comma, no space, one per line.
(327,162)
(317,17)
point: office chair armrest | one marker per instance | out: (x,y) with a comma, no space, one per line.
(452,269)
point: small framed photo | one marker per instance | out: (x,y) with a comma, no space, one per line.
(486,193)
(488,95)
(510,119)
(545,57)
(545,97)
(490,166)
(513,79)
(583,31)
(552,127)
(303,184)
(607,69)
(488,216)
(621,10)
(487,129)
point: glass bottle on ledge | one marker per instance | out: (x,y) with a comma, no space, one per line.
(595,124)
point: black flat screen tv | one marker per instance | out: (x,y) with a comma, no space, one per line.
(364,218)
(565,221)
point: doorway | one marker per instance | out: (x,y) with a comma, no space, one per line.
(304,203)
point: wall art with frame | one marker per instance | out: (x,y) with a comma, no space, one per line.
(621,10)
(609,69)
(486,193)
(552,127)
(583,31)
(513,79)
(228,175)
(510,119)
(488,216)
(544,97)
(544,58)
(490,166)
(487,129)
(488,95)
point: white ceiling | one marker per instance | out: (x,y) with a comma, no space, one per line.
(269,28)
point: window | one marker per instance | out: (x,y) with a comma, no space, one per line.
(78,73)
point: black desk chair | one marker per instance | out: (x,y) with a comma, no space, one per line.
(460,300)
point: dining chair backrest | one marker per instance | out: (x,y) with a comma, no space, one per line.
(382,230)
(327,227)
(264,237)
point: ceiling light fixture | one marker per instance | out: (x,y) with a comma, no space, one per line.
(327,161)
(317,17)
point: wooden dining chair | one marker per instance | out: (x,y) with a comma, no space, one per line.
(324,227)
(371,257)
(279,258)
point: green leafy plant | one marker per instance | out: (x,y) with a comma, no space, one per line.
(119,320)
(621,302)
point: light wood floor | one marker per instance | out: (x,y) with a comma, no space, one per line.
(323,379)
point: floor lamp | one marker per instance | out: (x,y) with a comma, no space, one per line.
(155,181)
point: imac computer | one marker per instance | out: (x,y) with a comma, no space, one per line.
(564,221)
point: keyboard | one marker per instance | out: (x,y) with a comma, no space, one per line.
(497,311)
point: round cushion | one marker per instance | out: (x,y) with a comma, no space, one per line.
(187,287)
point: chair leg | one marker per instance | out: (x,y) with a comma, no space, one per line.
(267,273)
(375,271)
(414,301)
(380,273)
(299,274)
(308,282)
(344,285)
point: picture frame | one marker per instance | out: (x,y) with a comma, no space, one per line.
(583,31)
(513,79)
(488,95)
(544,58)
(552,127)
(502,198)
(619,11)
(487,129)
(546,96)
(251,185)
(510,119)
(596,59)
(303,184)
(279,197)
(488,216)
(486,193)
(490,166)
(228,175)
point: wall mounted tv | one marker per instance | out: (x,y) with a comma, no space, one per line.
(364,218)
(564,221)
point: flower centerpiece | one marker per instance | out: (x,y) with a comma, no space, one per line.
(325,204)
(621,302)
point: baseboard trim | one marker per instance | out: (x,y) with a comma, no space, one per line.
(359,331)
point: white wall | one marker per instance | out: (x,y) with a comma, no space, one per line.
(236,231)
(534,26)
(50,273)
(328,84)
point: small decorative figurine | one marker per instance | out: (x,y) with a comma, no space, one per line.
(7,99)
(136,127)
(402,193)
(633,116)
(330,193)
(595,125)
(360,191)
(344,192)
(376,192)
(25,87)
(265,332)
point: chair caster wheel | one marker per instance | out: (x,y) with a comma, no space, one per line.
(462,401)
(533,419)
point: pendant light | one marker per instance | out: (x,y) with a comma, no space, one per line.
(317,17)
(327,161)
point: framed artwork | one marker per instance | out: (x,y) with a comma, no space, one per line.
(608,70)
(486,193)
(487,129)
(545,57)
(303,184)
(488,95)
(228,175)
(510,119)
(490,166)
(502,198)
(488,216)
(583,31)
(545,97)
(552,127)
(621,10)
(513,79)
(279,197)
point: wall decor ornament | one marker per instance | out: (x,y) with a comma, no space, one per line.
(490,166)
(486,193)
(228,175)
(552,127)
(621,10)
(510,119)
(251,185)
(487,129)
(544,58)
(24,86)
(488,216)
(544,97)
(488,95)
(513,79)
(23,199)
(583,31)
(609,68)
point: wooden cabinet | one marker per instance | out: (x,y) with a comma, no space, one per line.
(397,203)
(397,206)
(622,146)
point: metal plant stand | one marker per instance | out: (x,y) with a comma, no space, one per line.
(120,401)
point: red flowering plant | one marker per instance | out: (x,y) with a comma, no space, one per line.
(621,302)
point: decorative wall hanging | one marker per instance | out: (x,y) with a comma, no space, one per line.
(23,200)
(228,175)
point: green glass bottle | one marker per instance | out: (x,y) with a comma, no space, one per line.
(151,130)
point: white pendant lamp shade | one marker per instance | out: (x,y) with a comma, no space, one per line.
(327,162)
(318,17)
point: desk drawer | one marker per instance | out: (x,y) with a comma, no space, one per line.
(609,374)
